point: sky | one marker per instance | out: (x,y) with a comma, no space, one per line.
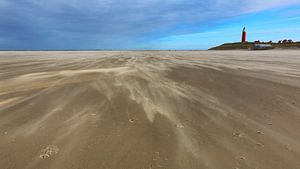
(143,24)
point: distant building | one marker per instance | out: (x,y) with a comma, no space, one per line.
(286,41)
(262,46)
(244,34)
(257,41)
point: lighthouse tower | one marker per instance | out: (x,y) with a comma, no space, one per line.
(244,35)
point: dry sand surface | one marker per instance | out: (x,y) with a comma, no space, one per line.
(150,110)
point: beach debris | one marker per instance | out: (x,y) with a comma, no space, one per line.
(238,134)
(131,120)
(260,132)
(49,151)
(270,124)
(259,144)
(242,158)
(180,126)
(93,114)
(5,132)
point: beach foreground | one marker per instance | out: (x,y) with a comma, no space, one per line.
(150,110)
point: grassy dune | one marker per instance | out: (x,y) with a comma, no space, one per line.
(249,45)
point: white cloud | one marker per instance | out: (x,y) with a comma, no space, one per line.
(127,20)
(260,5)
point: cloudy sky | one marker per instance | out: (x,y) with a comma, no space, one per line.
(143,24)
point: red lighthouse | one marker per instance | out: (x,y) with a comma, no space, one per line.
(244,35)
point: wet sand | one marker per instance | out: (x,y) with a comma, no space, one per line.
(150,110)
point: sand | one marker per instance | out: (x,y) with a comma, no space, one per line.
(150,110)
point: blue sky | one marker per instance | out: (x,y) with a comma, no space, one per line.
(143,24)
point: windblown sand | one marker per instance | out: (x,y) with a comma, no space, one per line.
(150,110)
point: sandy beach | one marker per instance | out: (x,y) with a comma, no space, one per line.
(150,110)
